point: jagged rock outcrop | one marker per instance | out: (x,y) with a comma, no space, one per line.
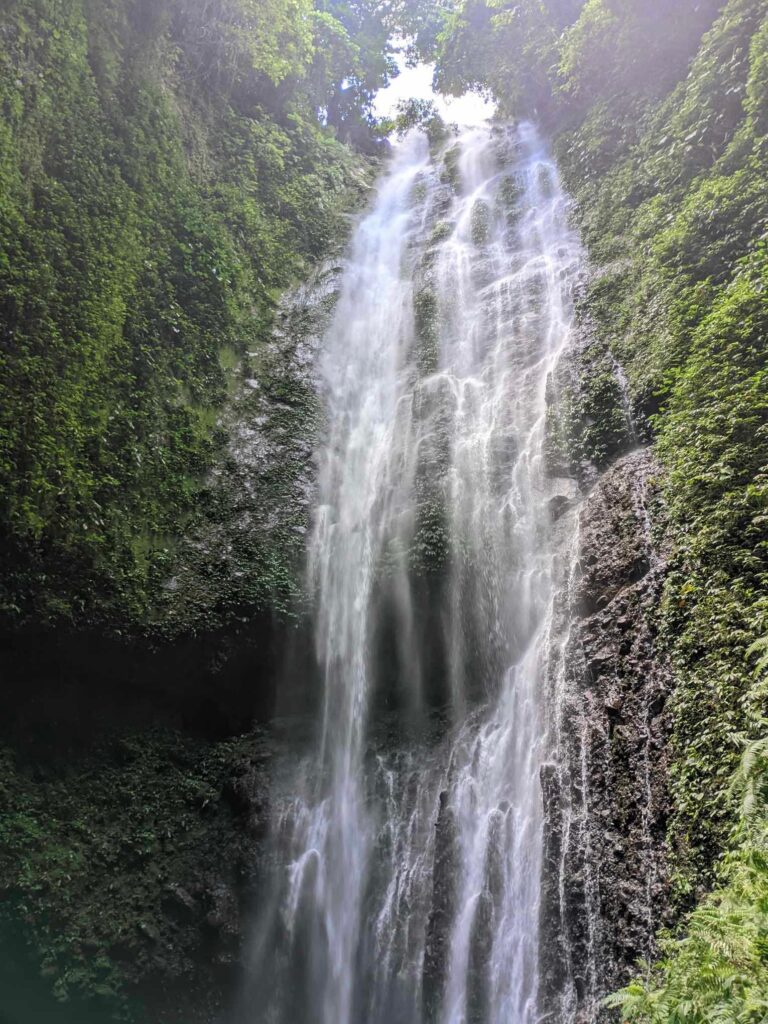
(605,792)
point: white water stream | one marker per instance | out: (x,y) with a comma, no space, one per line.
(411,839)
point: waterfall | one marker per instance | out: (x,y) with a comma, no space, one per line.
(408,843)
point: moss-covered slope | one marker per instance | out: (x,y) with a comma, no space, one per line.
(674,207)
(117,900)
(168,168)
(163,175)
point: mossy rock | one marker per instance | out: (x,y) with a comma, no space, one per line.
(427,329)
(511,191)
(440,233)
(431,546)
(481,222)
(449,174)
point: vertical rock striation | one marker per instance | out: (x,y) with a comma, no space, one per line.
(605,793)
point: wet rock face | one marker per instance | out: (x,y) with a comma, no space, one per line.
(244,552)
(592,417)
(605,791)
(447,867)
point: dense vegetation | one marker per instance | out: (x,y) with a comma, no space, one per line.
(660,115)
(113,869)
(165,170)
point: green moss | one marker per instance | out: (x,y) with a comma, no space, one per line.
(427,331)
(587,422)
(509,195)
(441,231)
(112,861)
(450,174)
(480,222)
(150,213)
(431,546)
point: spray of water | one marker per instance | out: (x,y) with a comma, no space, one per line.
(410,841)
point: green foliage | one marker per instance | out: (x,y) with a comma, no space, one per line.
(421,114)
(662,138)
(460,66)
(719,971)
(162,176)
(593,34)
(107,862)
(502,46)
(269,38)
(362,61)
(713,441)
(614,45)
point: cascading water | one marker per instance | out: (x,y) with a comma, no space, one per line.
(411,840)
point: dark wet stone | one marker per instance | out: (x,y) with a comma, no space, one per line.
(605,886)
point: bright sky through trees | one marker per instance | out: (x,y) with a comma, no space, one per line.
(416,82)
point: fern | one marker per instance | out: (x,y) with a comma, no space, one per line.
(718,973)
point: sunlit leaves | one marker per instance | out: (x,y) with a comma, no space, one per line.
(150,210)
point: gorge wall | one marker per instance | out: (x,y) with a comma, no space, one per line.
(659,114)
(165,175)
(166,171)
